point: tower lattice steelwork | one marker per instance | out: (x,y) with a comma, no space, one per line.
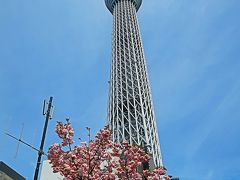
(130,114)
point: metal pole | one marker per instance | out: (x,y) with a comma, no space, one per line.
(40,152)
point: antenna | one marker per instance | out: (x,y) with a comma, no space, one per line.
(19,141)
(51,112)
(48,115)
(44,107)
(45,111)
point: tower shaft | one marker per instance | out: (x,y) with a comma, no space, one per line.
(130,111)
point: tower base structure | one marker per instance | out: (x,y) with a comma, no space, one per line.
(130,112)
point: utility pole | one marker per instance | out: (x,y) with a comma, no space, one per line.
(48,115)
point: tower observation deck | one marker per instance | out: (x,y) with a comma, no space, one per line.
(130,112)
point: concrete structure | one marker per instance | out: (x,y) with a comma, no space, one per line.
(7,173)
(47,172)
(130,111)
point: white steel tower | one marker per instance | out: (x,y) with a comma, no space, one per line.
(130,111)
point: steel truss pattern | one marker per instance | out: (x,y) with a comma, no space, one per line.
(130,111)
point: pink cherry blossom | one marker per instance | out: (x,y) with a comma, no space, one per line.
(99,158)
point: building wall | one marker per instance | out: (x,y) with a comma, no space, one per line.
(47,172)
(4,176)
(7,173)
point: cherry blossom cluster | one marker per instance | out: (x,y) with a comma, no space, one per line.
(65,132)
(100,158)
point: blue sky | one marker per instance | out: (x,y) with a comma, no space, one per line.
(62,48)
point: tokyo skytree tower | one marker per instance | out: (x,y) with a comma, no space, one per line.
(130,111)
